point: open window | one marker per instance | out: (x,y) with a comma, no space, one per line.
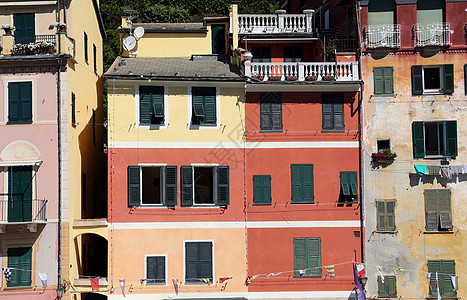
(152,185)
(204,185)
(438,79)
(349,187)
(434,139)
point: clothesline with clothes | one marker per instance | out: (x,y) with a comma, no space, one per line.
(445,171)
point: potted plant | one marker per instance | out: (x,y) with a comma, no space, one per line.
(258,77)
(18,49)
(383,156)
(1,48)
(311,78)
(328,77)
(291,78)
(275,78)
(60,26)
(8,28)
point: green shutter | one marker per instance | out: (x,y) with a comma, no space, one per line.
(262,189)
(417,80)
(73,109)
(151,105)
(186,177)
(345,186)
(433,267)
(191,261)
(296,179)
(20,261)
(145,105)
(378,80)
(465,79)
(133,186)
(431,210)
(300,255)
(151,269)
(20,194)
(265,112)
(205,260)
(160,269)
(210,109)
(338,110)
(14,94)
(314,256)
(327,116)
(266,189)
(390,282)
(170,196)
(448,79)
(158,105)
(276,111)
(307,183)
(257,188)
(444,208)
(222,185)
(26,101)
(381,288)
(218,39)
(388,80)
(24,28)
(390,216)
(418,139)
(381,216)
(353,183)
(451,138)
(447,269)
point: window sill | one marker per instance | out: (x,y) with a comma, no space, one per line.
(386,232)
(332,131)
(302,202)
(198,282)
(308,276)
(441,297)
(156,284)
(11,288)
(18,122)
(261,204)
(439,232)
(270,130)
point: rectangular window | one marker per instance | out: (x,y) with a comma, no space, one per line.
(262,189)
(203,102)
(204,185)
(433,79)
(438,210)
(20,263)
(198,262)
(85,47)
(465,79)
(333,112)
(151,105)
(434,138)
(271,112)
(218,39)
(261,54)
(307,256)
(302,183)
(385,215)
(73,109)
(155,270)
(94,56)
(349,186)
(25,28)
(20,194)
(387,287)
(445,269)
(383,80)
(293,54)
(149,185)
(20,102)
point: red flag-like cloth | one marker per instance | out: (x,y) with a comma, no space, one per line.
(95,284)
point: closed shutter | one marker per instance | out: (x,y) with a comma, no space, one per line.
(266,190)
(314,256)
(378,80)
(448,79)
(26,102)
(433,267)
(20,261)
(85,47)
(444,208)
(73,109)
(205,260)
(170,196)
(133,186)
(447,269)
(191,262)
(339,113)
(327,116)
(262,189)
(186,177)
(417,80)
(418,139)
(276,111)
(257,188)
(296,179)
(24,28)
(381,215)
(381,288)
(307,183)
(451,138)
(390,281)
(300,255)
(14,100)
(151,269)
(223,185)
(160,269)
(145,106)
(388,80)
(431,210)
(265,112)
(390,216)
(345,183)
(20,194)
(210,109)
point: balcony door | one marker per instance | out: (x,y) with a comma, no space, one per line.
(25,31)
(20,194)
(430,11)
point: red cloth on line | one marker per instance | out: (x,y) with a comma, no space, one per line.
(95,284)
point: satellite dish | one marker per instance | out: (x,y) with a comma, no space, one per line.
(129,43)
(138,33)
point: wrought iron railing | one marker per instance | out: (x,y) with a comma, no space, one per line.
(383,36)
(345,44)
(33,211)
(432,34)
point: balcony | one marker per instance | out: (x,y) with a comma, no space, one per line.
(20,212)
(45,44)
(432,34)
(275,23)
(302,71)
(383,36)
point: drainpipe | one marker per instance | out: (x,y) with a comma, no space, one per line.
(59,146)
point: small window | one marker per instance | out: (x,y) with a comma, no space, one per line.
(445,269)
(85,47)
(383,144)
(302,183)
(385,215)
(151,105)
(333,112)
(152,185)
(20,102)
(387,287)
(434,139)
(73,109)
(349,187)
(204,185)
(262,189)
(155,270)
(383,80)
(94,51)
(433,79)
(261,54)
(307,257)
(271,112)
(198,262)
(438,210)
(20,263)
(204,110)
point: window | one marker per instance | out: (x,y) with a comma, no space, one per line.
(204,110)
(438,210)
(155,269)
(383,144)
(198,262)
(383,80)
(150,185)
(381,12)
(85,47)
(465,79)
(271,112)
(434,138)
(204,185)
(307,256)
(94,52)
(293,54)
(387,289)
(445,269)
(385,215)
(430,11)
(262,189)
(151,105)
(20,263)
(261,54)
(218,39)
(20,194)
(20,102)
(73,109)
(349,186)
(333,112)
(302,183)
(433,79)
(25,31)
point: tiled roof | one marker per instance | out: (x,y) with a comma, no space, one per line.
(169,27)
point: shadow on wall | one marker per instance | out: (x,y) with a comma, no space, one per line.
(415,179)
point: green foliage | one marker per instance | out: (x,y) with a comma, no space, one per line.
(331,45)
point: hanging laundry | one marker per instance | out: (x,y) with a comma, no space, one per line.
(206,280)
(142,281)
(446,172)
(273,274)
(94,284)
(454,282)
(433,170)
(7,274)
(457,170)
(222,279)
(380,273)
(421,169)
(437,287)
(250,278)
(43,277)
(361,270)
(330,270)
(428,278)
(175,283)
(358,286)
(302,272)
(122,286)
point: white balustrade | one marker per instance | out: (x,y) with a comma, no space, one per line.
(383,36)
(432,34)
(249,23)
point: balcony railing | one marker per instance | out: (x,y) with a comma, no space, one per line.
(345,44)
(432,34)
(33,211)
(383,36)
(271,24)
(302,71)
(35,39)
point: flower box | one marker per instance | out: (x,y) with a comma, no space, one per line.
(258,77)
(291,78)
(311,78)
(275,78)
(328,77)
(383,156)
(33,48)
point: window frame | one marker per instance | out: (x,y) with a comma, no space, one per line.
(441,279)
(185,282)
(318,270)
(12,79)
(450,149)
(262,185)
(386,293)
(429,210)
(303,184)
(446,78)
(386,228)
(163,125)
(190,109)
(146,256)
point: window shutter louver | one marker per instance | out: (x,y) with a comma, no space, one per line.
(388,80)
(295,171)
(451,138)
(170,196)
(418,139)
(73,109)
(444,208)
(151,269)
(300,255)
(14,101)
(381,288)
(390,216)
(314,256)
(266,192)
(381,212)
(133,186)
(160,269)
(191,262)
(186,177)
(433,267)
(327,116)
(26,102)
(353,183)
(198,107)
(307,183)
(391,284)
(210,109)
(448,79)
(417,80)
(447,269)
(266,112)
(145,106)
(20,261)
(378,80)
(205,260)
(339,114)
(431,210)
(257,186)
(276,111)
(223,185)
(158,104)
(345,183)
(14,265)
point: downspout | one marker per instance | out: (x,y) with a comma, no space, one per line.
(59,146)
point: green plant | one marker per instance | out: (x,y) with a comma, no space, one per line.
(383,154)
